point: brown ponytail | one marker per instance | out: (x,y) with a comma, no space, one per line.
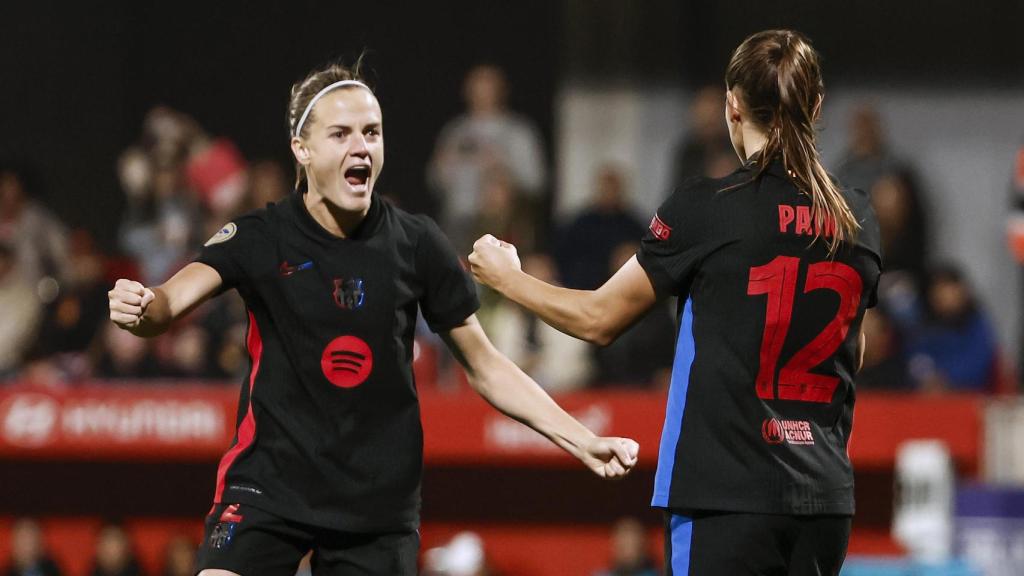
(304,91)
(780,82)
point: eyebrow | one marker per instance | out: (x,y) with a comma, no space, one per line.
(347,127)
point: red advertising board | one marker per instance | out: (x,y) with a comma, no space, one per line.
(196,422)
(104,422)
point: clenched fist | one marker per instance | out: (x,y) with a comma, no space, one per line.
(128,302)
(493,260)
(611,457)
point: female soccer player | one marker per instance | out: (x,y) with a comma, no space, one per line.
(774,266)
(328,452)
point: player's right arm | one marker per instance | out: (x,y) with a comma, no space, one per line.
(149,312)
(597,316)
(660,268)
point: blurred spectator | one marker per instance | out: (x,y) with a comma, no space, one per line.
(72,322)
(267,184)
(630,551)
(181,186)
(557,361)
(180,557)
(157,226)
(486,137)
(902,221)
(28,553)
(1015,235)
(954,347)
(584,247)
(462,556)
(227,323)
(216,170)
(184,352)
(43,373)
(642,355)
(177,172)
(885,366)
(38,239)
(114,555)
(867,157)
(167,135)
(124,356)
(501,213)
(705,150)
(21,313)
(903,225)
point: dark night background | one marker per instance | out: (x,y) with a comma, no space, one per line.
(79,77)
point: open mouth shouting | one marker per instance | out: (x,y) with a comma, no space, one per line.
(358,177)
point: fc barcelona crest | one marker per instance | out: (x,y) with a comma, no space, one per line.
(222,535)
(348,293)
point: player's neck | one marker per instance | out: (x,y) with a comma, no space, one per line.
(336,221)
(754,141)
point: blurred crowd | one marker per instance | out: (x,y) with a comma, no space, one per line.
(490,173)
(180,185)
(630,546)
(113,553)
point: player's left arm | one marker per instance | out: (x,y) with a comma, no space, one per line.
(499,381)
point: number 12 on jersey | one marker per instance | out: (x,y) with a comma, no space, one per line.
(777,279)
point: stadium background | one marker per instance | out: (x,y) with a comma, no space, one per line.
(602,81)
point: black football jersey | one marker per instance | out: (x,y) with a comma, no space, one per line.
(329,426)
(760,405)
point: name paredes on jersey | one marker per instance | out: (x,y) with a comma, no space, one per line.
(797,220)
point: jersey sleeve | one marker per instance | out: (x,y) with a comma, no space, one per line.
(449,295)
(674,242)
(229,250)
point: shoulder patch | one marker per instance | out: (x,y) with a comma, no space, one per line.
(226,232)
(660,230)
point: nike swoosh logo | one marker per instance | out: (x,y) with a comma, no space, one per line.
(287,270)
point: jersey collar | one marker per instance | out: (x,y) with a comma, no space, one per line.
(775,165)
(309,225)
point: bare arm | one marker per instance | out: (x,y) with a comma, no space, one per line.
(516,395)
(149,312)
(862,344)
(597,316)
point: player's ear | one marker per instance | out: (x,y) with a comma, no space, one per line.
(300,151)
(732,106)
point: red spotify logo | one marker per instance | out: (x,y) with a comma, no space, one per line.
(347,361)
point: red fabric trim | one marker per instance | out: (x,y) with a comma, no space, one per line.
(247,430)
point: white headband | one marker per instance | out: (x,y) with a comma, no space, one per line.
(302,120)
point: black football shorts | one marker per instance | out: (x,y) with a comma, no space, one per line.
(252,542)
(739,544)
